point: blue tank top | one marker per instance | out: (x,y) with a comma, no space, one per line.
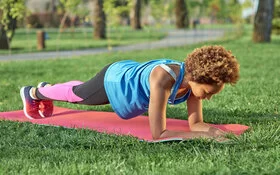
(128,89)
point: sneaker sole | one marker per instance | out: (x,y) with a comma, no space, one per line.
(24,103)
(41,114)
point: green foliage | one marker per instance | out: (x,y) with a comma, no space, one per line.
(198,8)
(71,6)
(221,10)
(74,7)
(11,10)
(225,11)
(276,18)
(162,10)
(234,11)
(247,4)
(115,9)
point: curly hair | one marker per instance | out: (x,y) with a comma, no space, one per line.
(212,65)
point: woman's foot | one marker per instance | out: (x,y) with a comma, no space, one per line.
(30,105)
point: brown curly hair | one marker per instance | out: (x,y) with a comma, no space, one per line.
(212,65)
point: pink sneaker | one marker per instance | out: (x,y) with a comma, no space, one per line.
(45,106)
(30,106)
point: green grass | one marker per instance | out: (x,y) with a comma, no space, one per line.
(32,149)
(25,40)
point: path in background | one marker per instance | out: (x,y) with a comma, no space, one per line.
(174,38)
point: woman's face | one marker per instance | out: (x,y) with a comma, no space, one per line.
(205,91)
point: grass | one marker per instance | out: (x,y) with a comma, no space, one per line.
(32,149)
(25,40)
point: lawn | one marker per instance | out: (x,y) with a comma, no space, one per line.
(25,40)
(32,149)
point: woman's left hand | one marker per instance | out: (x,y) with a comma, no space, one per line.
(216,132)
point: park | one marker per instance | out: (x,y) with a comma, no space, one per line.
(77,44)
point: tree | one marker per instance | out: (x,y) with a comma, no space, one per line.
(99,20)
(234,13)
(10,12)
(160,10)
(263,21)
(198,8)
(135,15)
(117,12)
(181,12)
(71,8)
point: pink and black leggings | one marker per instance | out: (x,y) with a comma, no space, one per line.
(91,92)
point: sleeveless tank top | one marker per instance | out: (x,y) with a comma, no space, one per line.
(128,89)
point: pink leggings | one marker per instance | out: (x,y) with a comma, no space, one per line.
(60,92)
(91,92)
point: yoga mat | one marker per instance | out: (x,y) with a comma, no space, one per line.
(110,123)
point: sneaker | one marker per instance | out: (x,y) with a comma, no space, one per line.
(30,106)
(45,106)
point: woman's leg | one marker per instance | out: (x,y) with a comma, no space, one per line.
(91,92)
(59,92)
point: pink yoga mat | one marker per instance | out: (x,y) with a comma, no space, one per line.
(110,123)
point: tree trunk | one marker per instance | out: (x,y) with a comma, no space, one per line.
(99,20)
(4,43)
(62,22)
(5,39)
(181,12)
(135,15)
(263,21)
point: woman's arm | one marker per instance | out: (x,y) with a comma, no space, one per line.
(160,85)
(195,118)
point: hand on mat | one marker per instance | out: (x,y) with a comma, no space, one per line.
(216,132)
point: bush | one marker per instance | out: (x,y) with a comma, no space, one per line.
(276,26)
(276,18)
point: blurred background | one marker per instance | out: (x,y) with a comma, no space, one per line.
(55,25)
